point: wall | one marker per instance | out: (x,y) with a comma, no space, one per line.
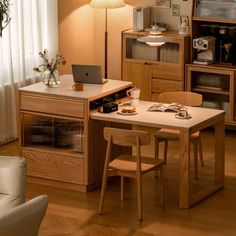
(81,31)
(76,33)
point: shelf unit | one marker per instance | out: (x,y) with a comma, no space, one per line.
(63,147)
(216,81)
(217,86)
(155,69)
(216,18)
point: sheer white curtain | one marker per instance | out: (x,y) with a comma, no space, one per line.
(33,27)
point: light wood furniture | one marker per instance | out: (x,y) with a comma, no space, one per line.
(216,81)
(126,165)
(163,135)
(57,138)
(72,208)
(155,69)
(201,118)
(217,85)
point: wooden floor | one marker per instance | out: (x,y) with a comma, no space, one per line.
(72,213)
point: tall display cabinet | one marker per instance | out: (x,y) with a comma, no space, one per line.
(214,20)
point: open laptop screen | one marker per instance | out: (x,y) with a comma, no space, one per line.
(90,74)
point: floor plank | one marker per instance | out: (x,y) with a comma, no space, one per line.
(72,213)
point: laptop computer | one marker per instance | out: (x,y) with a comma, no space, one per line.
(89,74)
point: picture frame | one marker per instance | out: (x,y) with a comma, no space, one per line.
(163,3)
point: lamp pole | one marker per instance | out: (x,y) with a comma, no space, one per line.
(107,4)
(105,46)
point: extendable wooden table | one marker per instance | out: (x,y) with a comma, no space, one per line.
(201,119)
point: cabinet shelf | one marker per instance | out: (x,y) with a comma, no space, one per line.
(217,65)
(223,3)
(205,89)
(213,20)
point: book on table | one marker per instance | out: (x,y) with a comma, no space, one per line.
(167,107)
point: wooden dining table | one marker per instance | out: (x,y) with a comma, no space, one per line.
(201,118)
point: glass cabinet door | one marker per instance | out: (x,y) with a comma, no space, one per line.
(51,133)
(225,9)
(169,52)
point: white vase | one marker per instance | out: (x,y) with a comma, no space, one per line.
(51,79)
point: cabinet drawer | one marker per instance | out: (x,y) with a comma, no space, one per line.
(63,107)
(162,85)
(60,167)
(167,72)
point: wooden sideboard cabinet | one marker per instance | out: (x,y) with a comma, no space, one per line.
(155,69)
(62,146)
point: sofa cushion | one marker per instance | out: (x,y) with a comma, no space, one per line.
(12,181)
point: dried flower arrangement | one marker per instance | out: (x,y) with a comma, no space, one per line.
(50,76)
(52,64)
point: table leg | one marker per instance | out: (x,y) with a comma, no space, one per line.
(184,191)
(186,198)
(219,153)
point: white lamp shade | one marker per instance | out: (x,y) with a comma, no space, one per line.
(107,3)
(152,40)
(155,44)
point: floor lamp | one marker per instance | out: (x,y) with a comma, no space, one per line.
(106,4)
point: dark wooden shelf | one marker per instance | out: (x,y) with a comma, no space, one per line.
(214,20)
(223,66)
(210,90)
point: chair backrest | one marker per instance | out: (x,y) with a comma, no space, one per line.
(181,97)
(25,219)
(12,181)
(126,137)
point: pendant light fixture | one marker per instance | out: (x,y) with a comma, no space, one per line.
(155,37)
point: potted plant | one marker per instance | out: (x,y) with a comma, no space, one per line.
(4,15)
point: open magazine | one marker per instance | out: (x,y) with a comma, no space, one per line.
(167,107)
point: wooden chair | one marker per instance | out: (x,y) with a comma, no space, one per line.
(127,165)
(163,135)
